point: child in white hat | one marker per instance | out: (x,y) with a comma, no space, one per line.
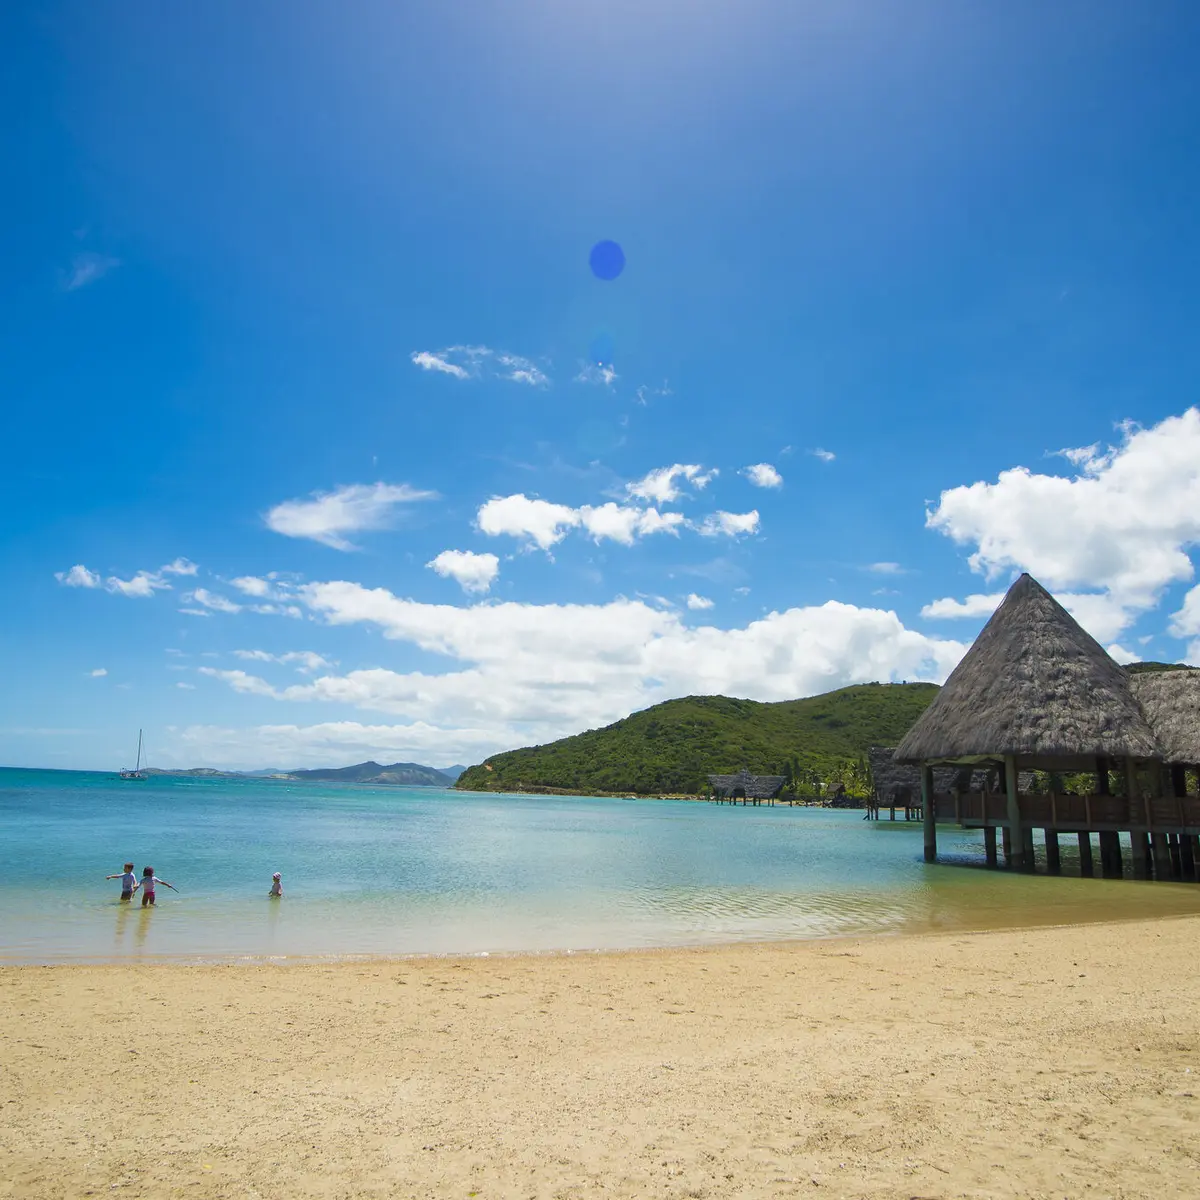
(276,885)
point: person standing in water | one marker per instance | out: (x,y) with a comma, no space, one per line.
(129,882)
(276,886)
(149,879)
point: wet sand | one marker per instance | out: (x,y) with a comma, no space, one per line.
(1049,1062)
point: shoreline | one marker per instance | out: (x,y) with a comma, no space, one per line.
(1052,1060)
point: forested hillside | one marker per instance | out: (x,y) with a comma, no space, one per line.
(672,747)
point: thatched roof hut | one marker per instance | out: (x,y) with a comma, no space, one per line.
(1171,702)
(753,787)
(1036,686)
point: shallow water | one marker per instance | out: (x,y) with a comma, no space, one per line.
(373,871)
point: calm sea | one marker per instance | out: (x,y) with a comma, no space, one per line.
(375,871)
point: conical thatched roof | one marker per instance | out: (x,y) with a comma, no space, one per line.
(1171,702)
(1035,685)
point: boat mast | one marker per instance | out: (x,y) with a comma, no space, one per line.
(139,757)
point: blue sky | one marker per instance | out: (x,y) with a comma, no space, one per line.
(297,302)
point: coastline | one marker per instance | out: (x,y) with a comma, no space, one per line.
(906,1065)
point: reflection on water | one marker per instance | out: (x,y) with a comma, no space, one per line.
(411,871)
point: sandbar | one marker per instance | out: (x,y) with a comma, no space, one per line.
(1046,1062)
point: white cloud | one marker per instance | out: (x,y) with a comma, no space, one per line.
(620,523)
(545,524)
(78,576)
(1111,538)
(659,485)
(521,370)
(727,524)
(1120,654)
(240,681)
(886,568)
(211,600)
(598,373)
(763,475)
(278,610)
(428,361)
(973,606)
(823,455)
(142,585)
(522,516)
(698,603)
(99,672)
(473,572)
(195,612)
(530,673)
(252,585)
(309,660)
(87,268)
(292,746)
(187,687)
(329,515)
(475,362)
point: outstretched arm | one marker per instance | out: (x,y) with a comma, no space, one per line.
(170,885)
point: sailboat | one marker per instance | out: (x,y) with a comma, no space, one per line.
(136,772)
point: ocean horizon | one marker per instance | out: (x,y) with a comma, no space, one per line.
(398,871)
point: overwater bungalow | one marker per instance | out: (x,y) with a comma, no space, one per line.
(1037,692)
(747,788)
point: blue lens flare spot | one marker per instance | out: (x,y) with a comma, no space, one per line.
(607,260)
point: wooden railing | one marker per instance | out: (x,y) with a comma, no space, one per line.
(1168,814)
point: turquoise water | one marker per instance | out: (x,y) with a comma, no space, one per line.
(369,871)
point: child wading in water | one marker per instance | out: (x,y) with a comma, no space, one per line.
(276,885)
(129,882)
(149,879)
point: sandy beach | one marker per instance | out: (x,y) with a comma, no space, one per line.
(1052,1062)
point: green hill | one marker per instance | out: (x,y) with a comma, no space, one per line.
(672,747)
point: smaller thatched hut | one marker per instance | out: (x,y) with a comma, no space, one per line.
(751,788)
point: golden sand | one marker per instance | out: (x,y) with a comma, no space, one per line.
(1051,1062)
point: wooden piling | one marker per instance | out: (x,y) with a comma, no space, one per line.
(1015,826)
(1053,861)
(1187,856)
(1176,857)
(989,844)
(1141,855)
(1110,854)
(1087,865)
(928,815)
(1162,855)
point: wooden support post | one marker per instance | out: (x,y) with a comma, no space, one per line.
(928,815)
(1141,855)
(1162,855)
(1176,857)
(1187,856)
(1016,829)
(1087,865)
(1030,858)
(1053,861)
(1110,854)
(989,844)
(1006,841)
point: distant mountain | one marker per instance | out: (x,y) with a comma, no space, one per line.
(453,772)
(403,774)
(409,774)
(674,746)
